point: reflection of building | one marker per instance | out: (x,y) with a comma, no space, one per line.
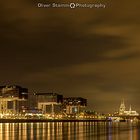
(49,102)
(124,112)
(74,105)
(13,99)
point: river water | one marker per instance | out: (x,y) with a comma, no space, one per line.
(70,131)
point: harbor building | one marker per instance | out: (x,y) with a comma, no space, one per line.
(13,99)
(74,105)
(124,112)
(49,103)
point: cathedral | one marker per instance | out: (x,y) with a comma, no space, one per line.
(123,111)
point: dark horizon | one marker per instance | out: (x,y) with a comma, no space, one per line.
(91,53)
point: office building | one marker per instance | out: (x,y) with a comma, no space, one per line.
(74,105)
(13,99)
(49,103)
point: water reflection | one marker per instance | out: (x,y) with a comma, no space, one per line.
(69,131)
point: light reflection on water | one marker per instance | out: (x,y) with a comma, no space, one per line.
(70,131)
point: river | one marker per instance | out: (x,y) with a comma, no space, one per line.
(70,131)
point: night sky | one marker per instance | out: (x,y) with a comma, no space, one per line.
(92,53)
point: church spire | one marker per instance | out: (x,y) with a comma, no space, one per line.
(130,108)
(122,107)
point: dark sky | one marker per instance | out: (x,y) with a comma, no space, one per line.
(92,53)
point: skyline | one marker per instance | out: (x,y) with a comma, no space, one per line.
(93,53)
(31,98)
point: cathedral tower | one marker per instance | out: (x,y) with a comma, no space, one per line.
(122,108)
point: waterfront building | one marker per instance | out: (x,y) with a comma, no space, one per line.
(13,99)
(49,103)
(74,105)
(124,112)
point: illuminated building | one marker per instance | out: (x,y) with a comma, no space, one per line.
(13,99)
(122,108)
(124,112)
(74,105)
(49,102)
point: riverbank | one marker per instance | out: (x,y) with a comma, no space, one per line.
(50,120)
